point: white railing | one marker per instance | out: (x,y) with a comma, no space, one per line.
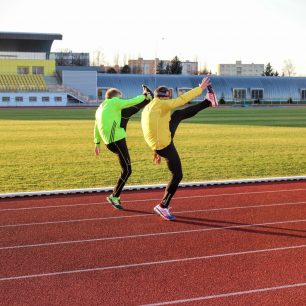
(73,92)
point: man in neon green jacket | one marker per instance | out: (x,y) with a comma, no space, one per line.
(110,127)
(159,127)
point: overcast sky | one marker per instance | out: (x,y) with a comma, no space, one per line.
(215,31)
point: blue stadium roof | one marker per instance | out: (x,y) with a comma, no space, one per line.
(274,88)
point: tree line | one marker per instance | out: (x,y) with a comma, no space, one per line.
(174,67)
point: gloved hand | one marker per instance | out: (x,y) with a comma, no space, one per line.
(147,92)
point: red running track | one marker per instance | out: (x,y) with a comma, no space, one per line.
(230,245)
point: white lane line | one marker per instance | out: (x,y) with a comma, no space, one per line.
(150,263)
(152,199)
(229,294)
(51,206)
(148,214)
(150,235)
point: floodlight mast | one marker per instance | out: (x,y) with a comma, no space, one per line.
(162,38)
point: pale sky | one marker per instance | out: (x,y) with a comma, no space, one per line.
(212,32)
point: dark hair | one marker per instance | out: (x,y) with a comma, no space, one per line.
(162,91)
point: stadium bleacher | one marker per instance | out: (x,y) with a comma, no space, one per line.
(22,83)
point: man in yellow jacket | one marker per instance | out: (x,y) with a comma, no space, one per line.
(159,127)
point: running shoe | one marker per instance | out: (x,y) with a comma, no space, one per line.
(115,201)
(164,213)
(211,97)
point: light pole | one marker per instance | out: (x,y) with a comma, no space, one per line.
(157,60)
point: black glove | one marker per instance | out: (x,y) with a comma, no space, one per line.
(147,92)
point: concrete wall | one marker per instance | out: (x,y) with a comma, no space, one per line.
(27,96)
(84,82)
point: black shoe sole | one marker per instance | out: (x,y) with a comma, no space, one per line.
(119,207)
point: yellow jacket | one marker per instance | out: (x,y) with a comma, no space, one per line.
(156,115)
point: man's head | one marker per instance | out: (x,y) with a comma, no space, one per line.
(162,92)
(112,93)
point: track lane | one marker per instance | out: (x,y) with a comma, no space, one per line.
(144,222)
(185,279)
(124,250)
(182,279)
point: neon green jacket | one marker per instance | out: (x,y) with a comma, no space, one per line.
(108,119)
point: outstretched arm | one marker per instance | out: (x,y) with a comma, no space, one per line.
(131,102)
(188,96)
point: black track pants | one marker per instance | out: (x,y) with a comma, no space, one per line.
(120,149)
(170,153)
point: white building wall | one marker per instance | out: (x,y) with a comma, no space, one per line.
(22,55)
(241,69)
(189,68)
(41,99)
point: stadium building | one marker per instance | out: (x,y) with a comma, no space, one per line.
(228,89)
(29,78)
(240,69)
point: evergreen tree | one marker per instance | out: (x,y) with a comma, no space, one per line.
(126,69)
(160,68)
(111,70)
(176,66)
(168,69)
(268,70)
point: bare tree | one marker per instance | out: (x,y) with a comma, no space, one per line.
(288,68)
(98,58)
(116,58)
(125,59)
(204,70)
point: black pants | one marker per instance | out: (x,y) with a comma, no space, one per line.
(170,152)
(121,150)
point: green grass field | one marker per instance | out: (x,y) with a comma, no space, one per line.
(47,149)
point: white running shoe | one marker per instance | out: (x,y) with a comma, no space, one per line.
(211,97)
(164,213)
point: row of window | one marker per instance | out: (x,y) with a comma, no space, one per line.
(180,91)
(26,70)
(31,99)
(240,94)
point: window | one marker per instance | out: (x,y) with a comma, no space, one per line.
(303,94)
(45,99)
(6,99)
(181,91)
(102,92)
(239,94)
(257,94)
(23,70)
(58,99)
(37,70)
(18,99)
(171,92)
(33,99)
(239,70)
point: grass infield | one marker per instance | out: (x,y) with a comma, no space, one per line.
(47,149)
